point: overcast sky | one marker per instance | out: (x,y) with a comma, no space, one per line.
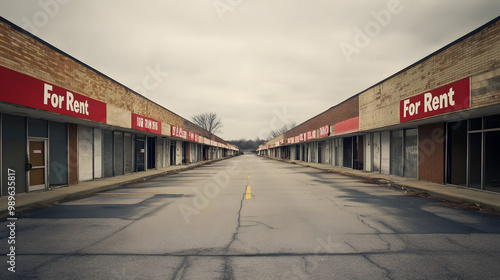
(253,62)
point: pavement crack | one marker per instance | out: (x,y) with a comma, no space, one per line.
(386,271)
(181,269)
(233,238)
(350,245)
(305,264)
(256,223)
(228,265)
(447,237)
(360,218)
(228,273)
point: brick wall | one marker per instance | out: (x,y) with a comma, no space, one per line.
(341,112)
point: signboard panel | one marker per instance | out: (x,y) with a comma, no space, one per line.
(27,91)
(302,137)
(311,135)
(145,124)
(449,98)
(324,131)
(193,136)
(350,125)
(179,132)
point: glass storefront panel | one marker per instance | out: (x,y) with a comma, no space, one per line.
(118,151)
(107,153)
(151,152)
(376,152)
(37,128)
(127,152)
(475,143)
(85,153)
(339,152)
(173,151)
(475,124)
(13,150)
(347,155)
(140,154)
(320,151)
(457,153)
(397,153)
(160,153)
(97,152)
(492,162)
(58,154)
(368,150)
(492,122)
(411,153)
(472,157)
(385,160)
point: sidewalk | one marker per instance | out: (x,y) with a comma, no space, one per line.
(483,199)
(26,201)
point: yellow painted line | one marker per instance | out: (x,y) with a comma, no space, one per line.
(130,193)
(248,193)
(248,189)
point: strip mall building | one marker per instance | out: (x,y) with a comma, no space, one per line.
(62,122)
(438,120)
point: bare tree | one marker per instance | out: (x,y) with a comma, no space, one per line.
(209,122)
(277,132)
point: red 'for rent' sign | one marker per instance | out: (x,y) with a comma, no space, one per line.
(24,90)
(449,98)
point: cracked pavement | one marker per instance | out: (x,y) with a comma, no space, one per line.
(300,223)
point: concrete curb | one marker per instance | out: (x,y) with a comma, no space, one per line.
(484,199)
(26,201)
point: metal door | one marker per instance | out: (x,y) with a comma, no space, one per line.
(37,165)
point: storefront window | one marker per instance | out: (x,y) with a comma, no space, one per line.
(127,152)
(85,153)
(376,152)
(475,124)
(457,153)
(475,157)
(13,149)
(347,157)
(472,157)
(492,122)
(397,152)
(338,152)
(492,162)
(107,153)
(118,151)
(411,153)
(58,155)
(37,128)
